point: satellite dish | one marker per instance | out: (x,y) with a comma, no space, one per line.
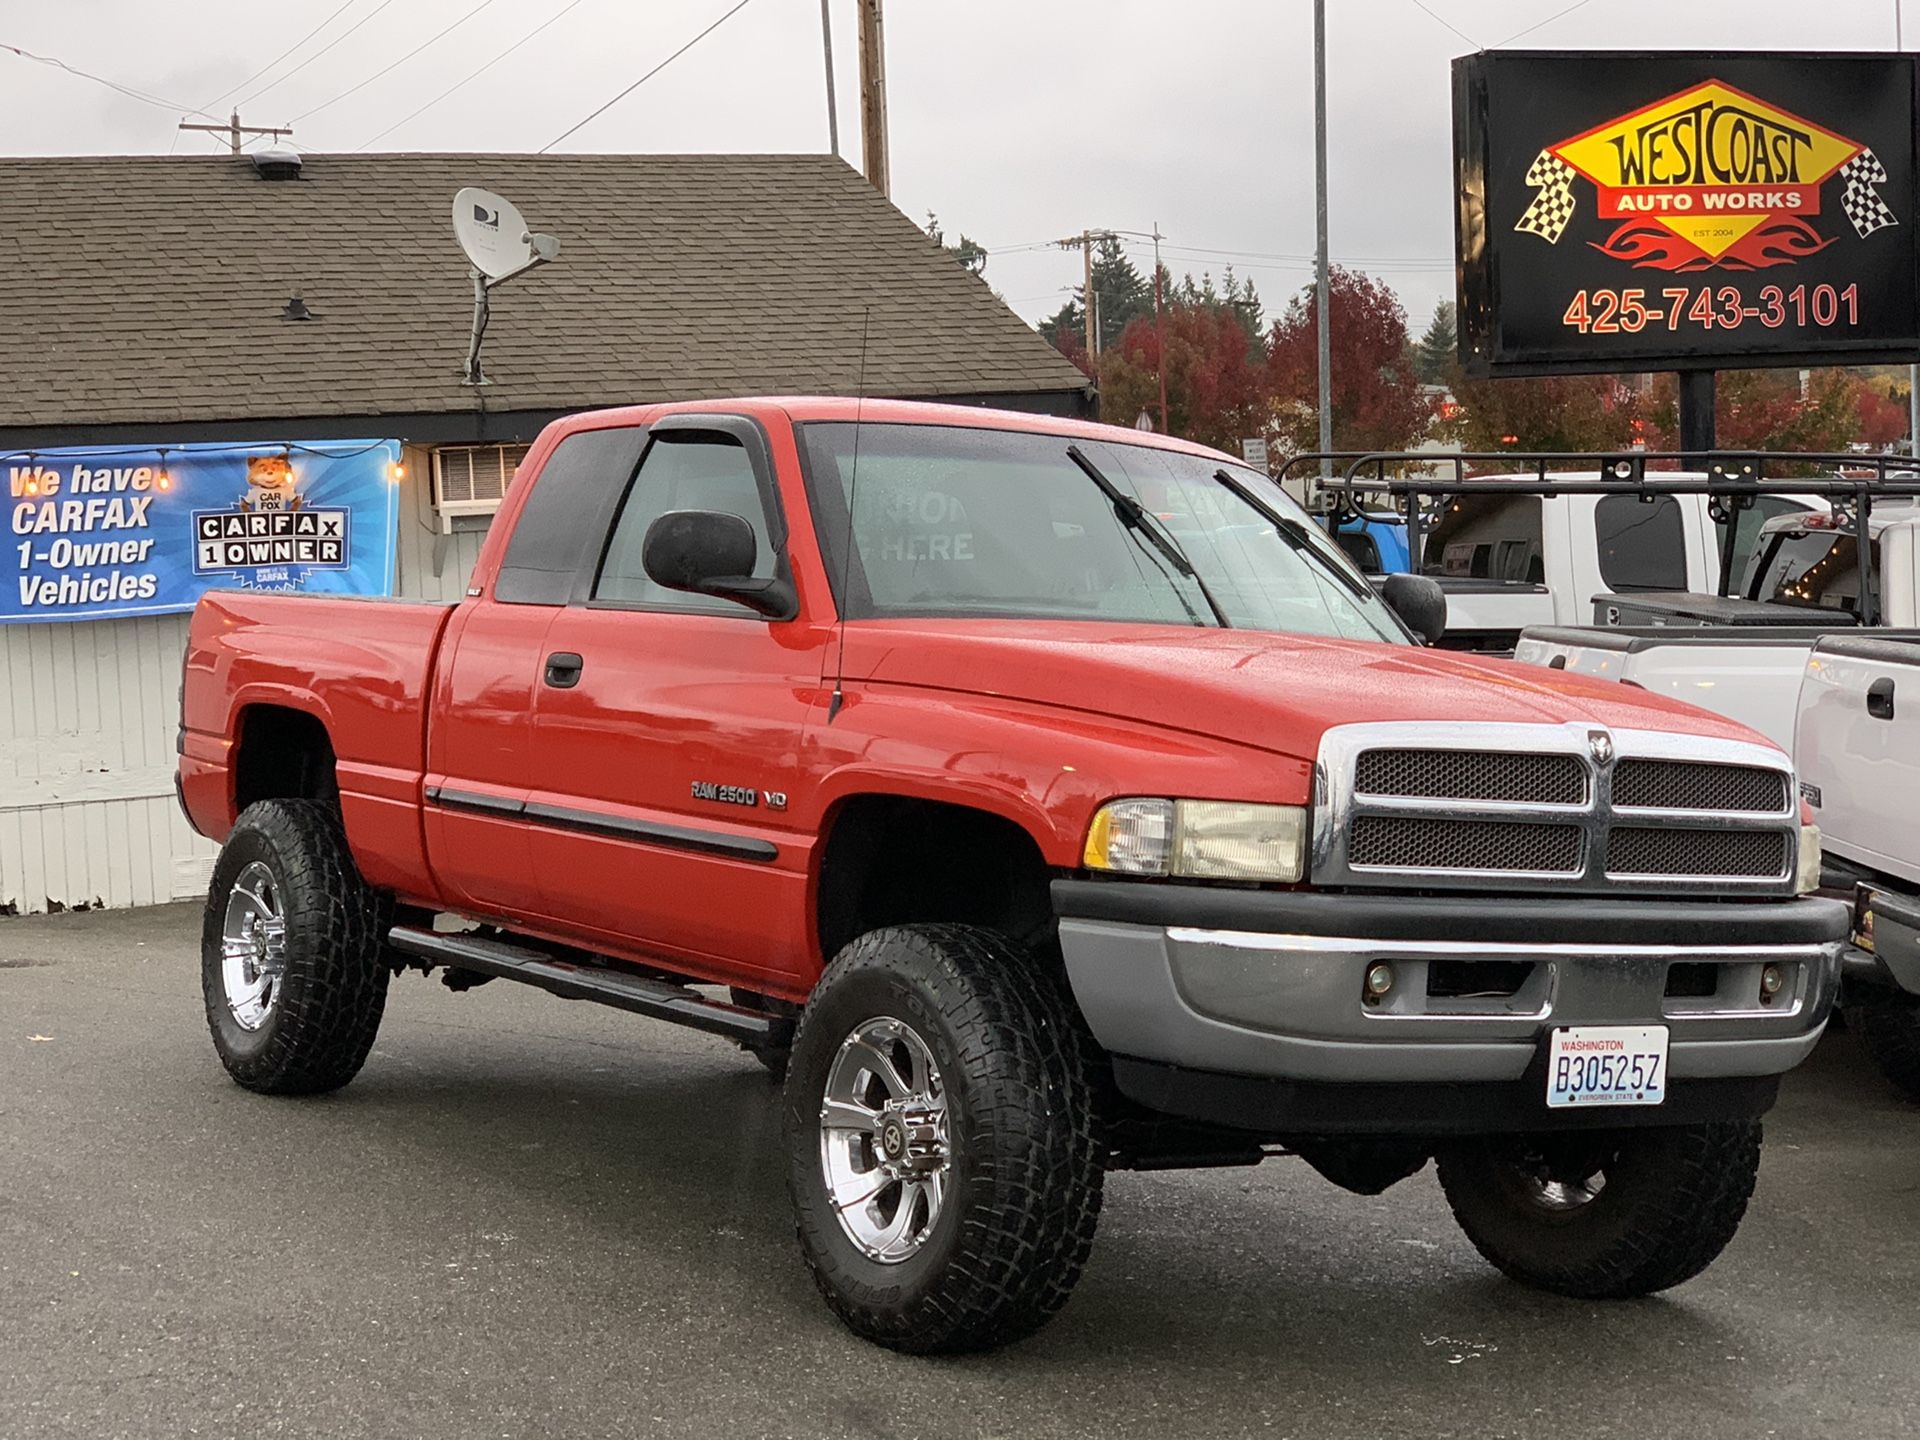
(492,232)
(495,236)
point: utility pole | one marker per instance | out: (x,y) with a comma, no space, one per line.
(826,44)
(1086,294)
(233,130)
(1323,289)
(873,96)
(1160,327)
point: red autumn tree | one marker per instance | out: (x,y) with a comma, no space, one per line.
(1775,410)
(1216,390)
(1377,400)
(1553,413)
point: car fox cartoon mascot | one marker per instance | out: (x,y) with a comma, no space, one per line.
(269,485)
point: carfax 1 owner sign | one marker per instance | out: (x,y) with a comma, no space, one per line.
(1684,211)
(97,533)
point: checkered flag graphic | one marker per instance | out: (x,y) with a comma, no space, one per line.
(1860,200)
(1547,216)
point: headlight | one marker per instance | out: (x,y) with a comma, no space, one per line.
(1806,874)
(1199,840)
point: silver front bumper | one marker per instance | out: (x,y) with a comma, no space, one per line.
(1293,1006)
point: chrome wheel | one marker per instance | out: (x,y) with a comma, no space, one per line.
(884,1149)
(253,946)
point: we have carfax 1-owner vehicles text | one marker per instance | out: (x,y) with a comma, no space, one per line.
(1040,798)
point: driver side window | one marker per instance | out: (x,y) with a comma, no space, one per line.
(683,470)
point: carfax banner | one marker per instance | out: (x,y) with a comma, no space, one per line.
(102,532)
(1673,210)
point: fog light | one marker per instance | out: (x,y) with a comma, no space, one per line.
(1772,979)
(1379,980)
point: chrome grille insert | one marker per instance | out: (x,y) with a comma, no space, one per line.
(1567,808)
(1410,842)
(1643,784)
(1473,775)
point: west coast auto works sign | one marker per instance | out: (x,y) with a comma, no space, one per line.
(1670,210)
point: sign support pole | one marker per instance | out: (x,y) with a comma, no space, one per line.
(1696,412)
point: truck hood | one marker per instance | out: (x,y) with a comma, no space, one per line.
(1269,691)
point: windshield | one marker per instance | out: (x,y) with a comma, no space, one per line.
(951,521)
(1819,569)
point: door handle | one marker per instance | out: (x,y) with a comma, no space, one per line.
(563,669)
(1880,699)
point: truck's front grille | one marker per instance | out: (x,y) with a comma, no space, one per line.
(1473,775)
(1634,850)
(1500,846)
(1551,807)
(1682,785)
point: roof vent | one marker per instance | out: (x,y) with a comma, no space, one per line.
(277,162)
(296,310)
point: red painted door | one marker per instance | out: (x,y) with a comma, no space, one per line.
(662,759)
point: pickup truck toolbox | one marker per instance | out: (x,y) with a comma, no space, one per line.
(1037,798)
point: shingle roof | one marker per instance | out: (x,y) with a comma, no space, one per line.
(147,289)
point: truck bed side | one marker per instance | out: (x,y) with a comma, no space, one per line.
(263,669)
(1857,748)
(1746,673)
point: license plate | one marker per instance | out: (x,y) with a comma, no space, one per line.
(1607,1065)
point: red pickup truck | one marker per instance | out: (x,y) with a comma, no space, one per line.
(1041,798)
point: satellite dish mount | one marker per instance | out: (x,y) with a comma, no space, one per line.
(499,246)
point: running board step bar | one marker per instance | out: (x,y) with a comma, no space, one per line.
(586,979)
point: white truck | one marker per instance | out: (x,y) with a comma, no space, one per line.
(1569,541)
(1857,749)
(1744,655)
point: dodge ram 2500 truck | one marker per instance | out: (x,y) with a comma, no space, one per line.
(1041,798)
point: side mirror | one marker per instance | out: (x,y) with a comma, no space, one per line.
(708,552)
(1419,602)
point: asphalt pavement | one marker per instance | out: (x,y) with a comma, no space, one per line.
(531,1217)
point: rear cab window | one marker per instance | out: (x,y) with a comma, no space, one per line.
(1643,543)
(564,514)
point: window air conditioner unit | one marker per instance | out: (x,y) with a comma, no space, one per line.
(472,479)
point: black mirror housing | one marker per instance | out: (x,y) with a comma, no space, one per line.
(1419,602)
(710,552)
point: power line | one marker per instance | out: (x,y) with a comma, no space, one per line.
(648,76)
(275,84)
(1441,19)
(430,40)
(284,53)
(127,90)
(1577,4)
(472,75)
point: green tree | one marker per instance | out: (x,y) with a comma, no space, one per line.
(1435,354)
(970,253)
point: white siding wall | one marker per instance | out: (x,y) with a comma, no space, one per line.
(87,717)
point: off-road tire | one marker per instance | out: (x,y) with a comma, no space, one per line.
(335,987)
(1891,1034)
(772,1057)
(1025,1168)
(1673,1197)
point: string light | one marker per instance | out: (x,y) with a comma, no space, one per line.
(396,472)
(163,481)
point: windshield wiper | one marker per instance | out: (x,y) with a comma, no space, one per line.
(1132,514)
(1289,530)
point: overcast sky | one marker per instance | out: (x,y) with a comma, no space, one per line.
(1018,121)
